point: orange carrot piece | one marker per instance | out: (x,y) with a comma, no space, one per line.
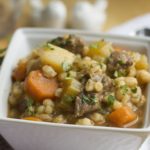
(122,116)
(32,118)
(20,72)
(39,87)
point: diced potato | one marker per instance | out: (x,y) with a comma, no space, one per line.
(72,86)
(142,63)
(143,76)
(60,59)
(100,48)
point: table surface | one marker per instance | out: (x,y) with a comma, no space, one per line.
(118,11)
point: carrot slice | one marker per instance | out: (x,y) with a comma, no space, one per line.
(122,116)
(39,87)
(32,118)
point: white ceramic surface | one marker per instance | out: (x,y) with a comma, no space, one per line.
(23,135)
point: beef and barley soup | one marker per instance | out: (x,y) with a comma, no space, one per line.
(69,81)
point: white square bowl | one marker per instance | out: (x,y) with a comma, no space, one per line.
(23,135)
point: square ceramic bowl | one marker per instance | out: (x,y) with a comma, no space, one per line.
(23,135)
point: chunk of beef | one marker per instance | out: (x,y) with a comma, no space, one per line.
(70,42)
(118,64)
(108,83)
(86,103)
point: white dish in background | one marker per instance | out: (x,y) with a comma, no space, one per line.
(23,135)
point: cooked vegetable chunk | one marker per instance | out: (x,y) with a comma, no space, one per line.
(32,119)
(118,63)
(72,88)
(66,81)
(142,63)
(60,59)
(122,116)
(39,87)
(85,104)
(70,42)
(20,72)
(100,48)
(143,76)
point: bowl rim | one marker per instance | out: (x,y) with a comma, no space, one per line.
(82,32)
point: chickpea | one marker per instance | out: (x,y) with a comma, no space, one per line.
(40,109)
(89,85)
(95,69)
(44,117)
(87,58)
(59,119)
(48,102)
(98,86)
(143,76)
(12,100)
(84,121)
(129,104)
(142,101)
(126,99)
(72,74)
(132,71)
(58,92)
(48,71)
(48,109)
(103,67)
(119,95)
(117,104)
(131,81)
(120,81)
(17,89)
(97,117)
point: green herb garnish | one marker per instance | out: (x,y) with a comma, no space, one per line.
(134,90)
(124,89)
(66,66)
(29,103)
(119,74)
(110,100)
(94,46)
(48,46)
(89,100)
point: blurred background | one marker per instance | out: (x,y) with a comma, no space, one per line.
(19,13)
(94,15)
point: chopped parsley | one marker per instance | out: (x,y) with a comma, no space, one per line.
(124,89)
(134,90)
(91,100)
(29,103)
(48,47)
(66,66)
(110,100)
(94,46)
(119,74)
